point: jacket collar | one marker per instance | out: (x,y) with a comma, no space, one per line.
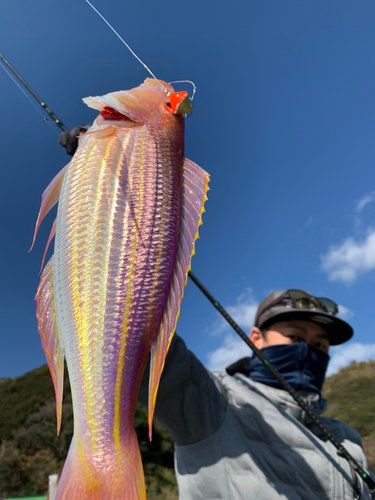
(279,397)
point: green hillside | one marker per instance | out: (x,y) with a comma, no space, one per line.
(30,449)
(351,398)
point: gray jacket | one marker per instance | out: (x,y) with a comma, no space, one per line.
(236,439)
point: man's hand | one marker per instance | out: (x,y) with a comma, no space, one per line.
(69,140)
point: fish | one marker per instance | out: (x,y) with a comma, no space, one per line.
(129,208)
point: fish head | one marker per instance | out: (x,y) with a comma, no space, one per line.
(154,101)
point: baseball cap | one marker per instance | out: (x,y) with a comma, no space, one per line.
(271,311)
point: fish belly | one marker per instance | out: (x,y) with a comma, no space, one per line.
(117,235)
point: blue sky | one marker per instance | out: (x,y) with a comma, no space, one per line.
(284,122)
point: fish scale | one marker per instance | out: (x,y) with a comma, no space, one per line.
(89,270)
(129,210)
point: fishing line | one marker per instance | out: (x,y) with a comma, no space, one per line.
(27,95)
(126,45)
(186,81)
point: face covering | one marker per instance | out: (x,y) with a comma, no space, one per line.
(302,365)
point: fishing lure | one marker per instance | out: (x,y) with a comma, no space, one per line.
(129,209)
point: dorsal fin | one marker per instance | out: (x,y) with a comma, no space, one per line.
(195,187)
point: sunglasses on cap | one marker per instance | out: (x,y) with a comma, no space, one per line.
(299,299)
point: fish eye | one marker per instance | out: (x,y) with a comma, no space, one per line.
(167,106)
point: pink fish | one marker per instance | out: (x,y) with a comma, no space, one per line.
(129,209)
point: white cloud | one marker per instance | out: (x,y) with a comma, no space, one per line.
(344,312)
(309,221)
(346,261)
(355,255)
(342,355)
(365,200)
(243,313)
(232,348)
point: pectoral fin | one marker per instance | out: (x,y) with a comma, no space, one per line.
(51,343)
(195,187)
(100,131)
(49,199)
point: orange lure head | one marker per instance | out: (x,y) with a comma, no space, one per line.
(179,103)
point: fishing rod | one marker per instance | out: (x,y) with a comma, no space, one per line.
(58,122)
(341,450)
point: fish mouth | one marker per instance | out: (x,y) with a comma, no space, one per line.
(108,113)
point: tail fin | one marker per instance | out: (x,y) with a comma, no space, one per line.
(107,477)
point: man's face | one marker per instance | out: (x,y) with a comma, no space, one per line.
(290,332)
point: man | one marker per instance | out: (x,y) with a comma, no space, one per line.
(239,435)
